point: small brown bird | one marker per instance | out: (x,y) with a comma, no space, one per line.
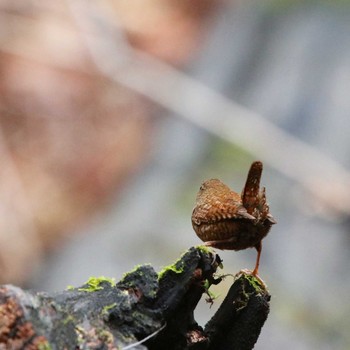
(226,220)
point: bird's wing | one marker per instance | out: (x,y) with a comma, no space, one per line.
(219,211)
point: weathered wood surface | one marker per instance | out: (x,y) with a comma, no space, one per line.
(106,315)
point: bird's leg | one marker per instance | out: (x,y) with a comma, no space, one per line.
(254,273)
(258,247)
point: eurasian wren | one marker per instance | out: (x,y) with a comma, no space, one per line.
(226,220)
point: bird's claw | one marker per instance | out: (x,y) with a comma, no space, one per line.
(251,273)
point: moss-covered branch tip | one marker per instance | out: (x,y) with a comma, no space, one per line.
(257,283)
(94,284)
(179,265)
(138,269)
(143,307)
(205,249)
(176,267)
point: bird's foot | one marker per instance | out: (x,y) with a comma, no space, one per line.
(262,284)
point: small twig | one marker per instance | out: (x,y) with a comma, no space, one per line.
(130,346)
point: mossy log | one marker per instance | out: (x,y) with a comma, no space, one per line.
(144,310)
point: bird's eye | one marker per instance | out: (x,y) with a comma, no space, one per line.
(202,187)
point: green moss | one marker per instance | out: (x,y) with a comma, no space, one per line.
(68,319)
(211,296)
(107,308)
(254,282)
(205,249)
(94,284)
(174,267)
(70,287)
(105,336)
(177,267)
(136,269)
(206,285)
(44,346)
(209,251)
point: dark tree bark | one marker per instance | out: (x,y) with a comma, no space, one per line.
(144,310)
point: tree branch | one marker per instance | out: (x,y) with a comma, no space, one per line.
(155,310)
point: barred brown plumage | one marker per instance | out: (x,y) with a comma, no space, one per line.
(226,220)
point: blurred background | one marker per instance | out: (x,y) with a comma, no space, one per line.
(113,112)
